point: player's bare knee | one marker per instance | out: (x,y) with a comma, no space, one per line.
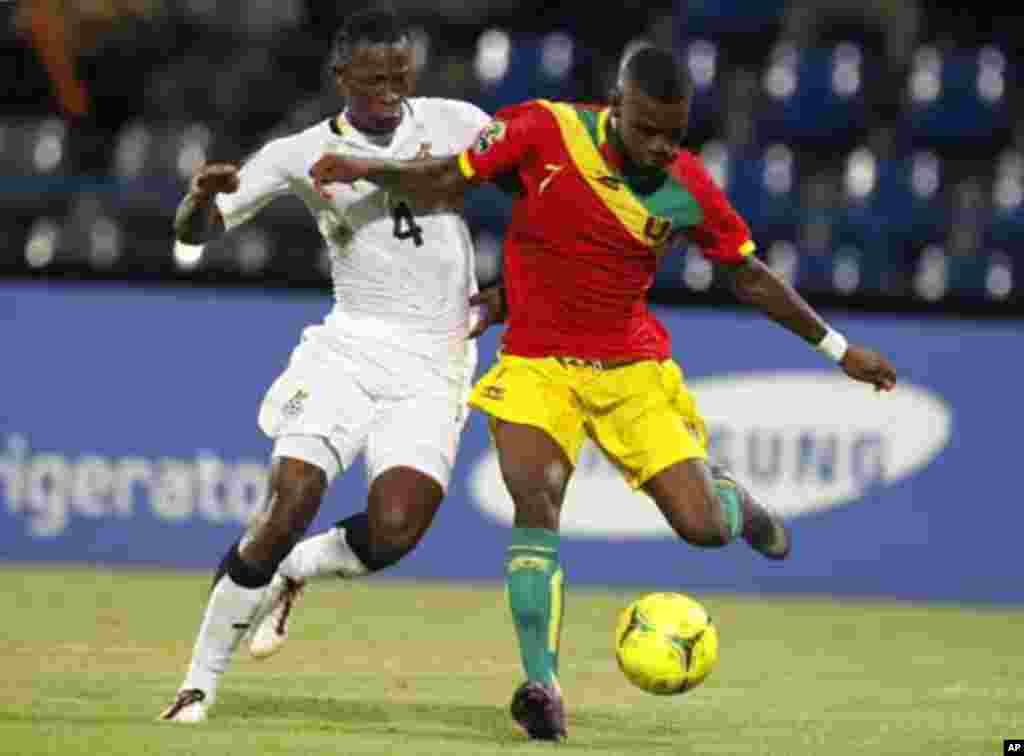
(698,523)
(401,506)
(395,526)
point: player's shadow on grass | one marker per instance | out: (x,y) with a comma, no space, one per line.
(465,723)
(471,723)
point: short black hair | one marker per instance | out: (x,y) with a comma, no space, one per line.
(659,73)
(374,26)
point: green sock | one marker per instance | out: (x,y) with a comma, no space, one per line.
(732,507)
(533,581)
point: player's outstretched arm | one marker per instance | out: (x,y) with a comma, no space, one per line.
(422,177)
(755,284)
(197,219)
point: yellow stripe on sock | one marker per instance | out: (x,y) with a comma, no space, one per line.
(555,621)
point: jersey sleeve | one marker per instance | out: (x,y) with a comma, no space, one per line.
(722,234)
(466,121)
(506,143)
(261,179)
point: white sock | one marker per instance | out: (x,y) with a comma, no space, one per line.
(228,614)
(324,555)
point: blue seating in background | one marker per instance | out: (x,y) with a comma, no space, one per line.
(861,223)
(515,68)
(982,275)
(721,18)
(866,239)
(707,111)
(986,273)
(814,272)
(909,198)
(813,97)
(761,186)
(861,271)
(957,100)
(153,164)
(1004,229)
(35,166)
(892,207)
(933,208)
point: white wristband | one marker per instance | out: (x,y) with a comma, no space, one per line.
(833,345)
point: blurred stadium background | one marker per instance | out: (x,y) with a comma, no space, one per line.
(876,147)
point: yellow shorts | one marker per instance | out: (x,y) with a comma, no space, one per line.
(641,414)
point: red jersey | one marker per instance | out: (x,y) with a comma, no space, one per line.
(584,241)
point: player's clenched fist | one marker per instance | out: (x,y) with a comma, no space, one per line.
(869,366)
(340,169)
(215,178)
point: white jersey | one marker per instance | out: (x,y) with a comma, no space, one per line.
(403,272)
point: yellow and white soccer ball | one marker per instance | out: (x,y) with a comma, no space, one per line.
(665,643)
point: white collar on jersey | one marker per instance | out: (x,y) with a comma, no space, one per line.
(342,128)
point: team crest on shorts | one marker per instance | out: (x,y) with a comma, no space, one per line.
(493,132)
(497,393)
(293,406)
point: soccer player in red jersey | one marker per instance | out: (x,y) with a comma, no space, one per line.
(604,192)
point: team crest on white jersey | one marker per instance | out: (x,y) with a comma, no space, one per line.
(492,133)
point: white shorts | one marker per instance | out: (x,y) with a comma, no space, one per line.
(397,407)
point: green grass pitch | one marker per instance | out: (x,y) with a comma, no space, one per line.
(88,657)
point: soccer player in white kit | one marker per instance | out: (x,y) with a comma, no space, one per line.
(386,373)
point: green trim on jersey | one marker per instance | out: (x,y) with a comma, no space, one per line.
(670,200)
